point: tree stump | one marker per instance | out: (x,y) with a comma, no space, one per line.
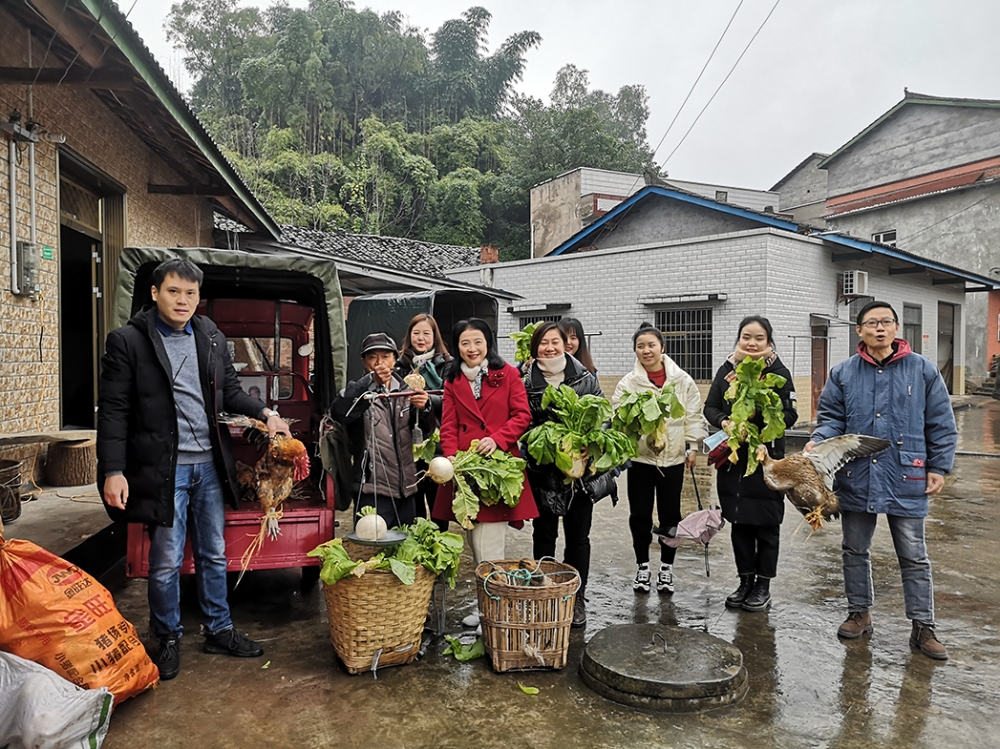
(72,463)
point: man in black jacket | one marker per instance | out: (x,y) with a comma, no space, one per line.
(163,459)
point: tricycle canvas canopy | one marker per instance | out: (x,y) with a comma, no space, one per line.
(236,274)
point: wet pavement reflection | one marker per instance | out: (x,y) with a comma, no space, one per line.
(807,688)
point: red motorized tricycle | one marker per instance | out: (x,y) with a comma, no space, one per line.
(283,318)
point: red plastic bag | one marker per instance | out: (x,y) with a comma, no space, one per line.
(55,614)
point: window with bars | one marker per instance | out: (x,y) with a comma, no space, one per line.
(525,320)
(913,318)
(687,339)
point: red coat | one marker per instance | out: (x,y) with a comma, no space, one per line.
(501,413)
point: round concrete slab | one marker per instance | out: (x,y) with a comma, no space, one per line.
(664,668)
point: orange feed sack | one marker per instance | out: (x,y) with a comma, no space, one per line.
(55,614)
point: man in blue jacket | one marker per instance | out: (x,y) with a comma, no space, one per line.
(887,391)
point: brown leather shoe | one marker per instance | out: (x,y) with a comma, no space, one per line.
(924,639)
(857,623)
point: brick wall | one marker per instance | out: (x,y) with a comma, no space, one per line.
(29,330)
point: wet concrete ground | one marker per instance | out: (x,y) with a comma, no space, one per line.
(807,688)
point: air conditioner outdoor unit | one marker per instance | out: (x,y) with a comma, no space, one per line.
(854,283)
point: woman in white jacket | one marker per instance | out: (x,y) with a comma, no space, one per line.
(659,475)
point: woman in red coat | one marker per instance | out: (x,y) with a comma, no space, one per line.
(485,400)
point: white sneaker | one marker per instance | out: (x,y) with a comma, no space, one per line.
(665,579)
(642,579)
(472,620)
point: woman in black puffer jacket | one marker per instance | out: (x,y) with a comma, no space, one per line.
(555,498)
(754,510)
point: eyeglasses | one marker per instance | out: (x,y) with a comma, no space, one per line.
(872,324)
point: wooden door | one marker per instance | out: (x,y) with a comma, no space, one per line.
(820,337)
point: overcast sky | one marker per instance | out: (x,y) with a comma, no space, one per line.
(817,74)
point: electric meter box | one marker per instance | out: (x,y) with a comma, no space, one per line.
(27,280)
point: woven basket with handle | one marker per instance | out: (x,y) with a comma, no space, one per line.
(376,614)
(526,618)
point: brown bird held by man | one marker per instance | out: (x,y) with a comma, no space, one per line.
(285,462)
(807,478)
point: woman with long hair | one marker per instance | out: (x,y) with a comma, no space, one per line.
(425,353)
(551,365)
(484,400)
(657,477)
(576,342)
(753,510)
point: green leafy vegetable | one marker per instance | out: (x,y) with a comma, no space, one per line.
(491,479)
(439,552)
(751,393)
(646,414)
(578,427)
(527,690)
(427,449)
(462,652)
(522,339)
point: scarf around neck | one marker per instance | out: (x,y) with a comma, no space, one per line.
(554,370)
(475,377)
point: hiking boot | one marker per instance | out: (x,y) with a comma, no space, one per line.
(642,579)
(665,579)
(579,610)
(760,595)
(231,642)
(856,624)
(738,596)
(168,660)
(924,639)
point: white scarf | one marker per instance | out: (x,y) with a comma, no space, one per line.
(554,370)
(475,377)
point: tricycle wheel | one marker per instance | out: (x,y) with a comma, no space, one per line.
(310,576)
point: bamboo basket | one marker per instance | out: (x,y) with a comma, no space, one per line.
(526,626)
(376,612)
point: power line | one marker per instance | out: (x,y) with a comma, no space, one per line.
(704,67)
(55,33)
(759,29)
(691,90)
(946,218)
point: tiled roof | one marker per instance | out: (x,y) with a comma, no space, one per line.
(394,252)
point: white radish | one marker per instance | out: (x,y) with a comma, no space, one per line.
(441,470)
(370,526)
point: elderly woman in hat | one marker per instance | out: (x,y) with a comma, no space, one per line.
(380,419)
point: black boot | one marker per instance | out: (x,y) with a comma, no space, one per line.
(760,597)
(739,595)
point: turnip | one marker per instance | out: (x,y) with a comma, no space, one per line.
(441,470)
(370,526)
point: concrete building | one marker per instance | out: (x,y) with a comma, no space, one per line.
(924,178)
(694,267)
(564,205)
(802,192)
(99,151)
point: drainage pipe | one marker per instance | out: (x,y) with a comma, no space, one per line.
(15,287)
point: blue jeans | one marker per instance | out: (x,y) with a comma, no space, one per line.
(911,550)
(198,500)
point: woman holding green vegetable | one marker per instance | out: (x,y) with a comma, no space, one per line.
(484,401)
(556,498)
(424,353)
(658,471)
(754,510)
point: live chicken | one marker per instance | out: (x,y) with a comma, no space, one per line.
(807,478)
(285,462)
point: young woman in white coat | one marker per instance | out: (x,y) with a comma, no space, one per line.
(657,478)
